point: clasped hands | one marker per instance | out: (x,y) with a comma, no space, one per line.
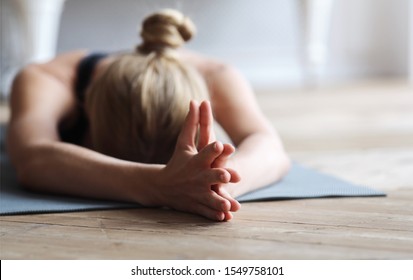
(194,179)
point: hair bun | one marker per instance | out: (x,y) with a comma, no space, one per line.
(165,29)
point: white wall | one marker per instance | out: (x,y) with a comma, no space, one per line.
(411,41)
(259,36)
(255,35)
(369,37)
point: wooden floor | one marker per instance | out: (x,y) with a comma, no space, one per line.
(362,133)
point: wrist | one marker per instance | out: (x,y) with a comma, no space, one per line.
(147,184)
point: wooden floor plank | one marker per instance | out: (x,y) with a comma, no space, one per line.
(292,223)
(361,133)
(344,212)
(121,243)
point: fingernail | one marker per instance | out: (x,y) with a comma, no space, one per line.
(220,216)
(216,146)
(223,177)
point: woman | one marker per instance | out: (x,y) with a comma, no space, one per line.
(118,126)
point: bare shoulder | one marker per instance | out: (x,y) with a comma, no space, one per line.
(225,82)
(63,66)
(45,90)
(217,74)
(232,98)
(205,65)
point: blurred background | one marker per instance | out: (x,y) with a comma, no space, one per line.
(334,77)
(278,43)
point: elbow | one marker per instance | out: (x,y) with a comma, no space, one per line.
(282,161)
(25,174)
(285,164)
(28,172)
(20,159)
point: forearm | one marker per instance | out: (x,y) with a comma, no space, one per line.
(260,160)
(41,102)
(57,167)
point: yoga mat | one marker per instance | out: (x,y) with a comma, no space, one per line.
(301,182)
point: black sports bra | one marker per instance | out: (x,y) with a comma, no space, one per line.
(84,73)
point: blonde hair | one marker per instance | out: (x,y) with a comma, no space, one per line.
(137,107)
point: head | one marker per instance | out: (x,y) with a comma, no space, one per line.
(137,107)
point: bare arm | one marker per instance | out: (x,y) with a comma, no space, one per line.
(42,99)
(260,158)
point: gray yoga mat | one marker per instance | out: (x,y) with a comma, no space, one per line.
(301,182)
